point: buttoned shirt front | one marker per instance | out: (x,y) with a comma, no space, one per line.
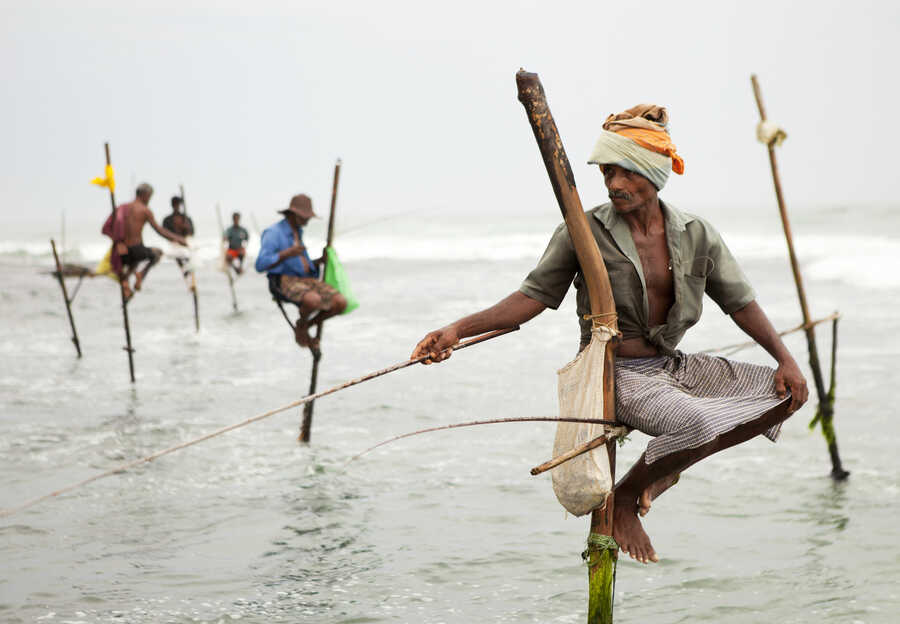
(275,239)
(700,262)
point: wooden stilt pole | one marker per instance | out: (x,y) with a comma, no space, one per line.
(128,348)
(306,426)
(602,551)
(227,267)
(193,273)
(825,410)
(62,285)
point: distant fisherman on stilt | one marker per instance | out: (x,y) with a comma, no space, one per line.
(181,224)
(236,237)
(660,262)
(293,275)
(129,251)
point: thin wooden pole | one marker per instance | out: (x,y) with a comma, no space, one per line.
(193,273)
(602,552)
(825,412)
(306,426)
(234,305)
(65,293)
(128,348)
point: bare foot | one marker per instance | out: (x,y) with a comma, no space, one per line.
(301,333)
(138,278)
(652,492)
(629,533)
(127,290)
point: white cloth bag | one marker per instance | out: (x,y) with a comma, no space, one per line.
(583,483)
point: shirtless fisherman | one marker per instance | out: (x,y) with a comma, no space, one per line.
(132,250)
(293,275)
(660,262)
(181,224)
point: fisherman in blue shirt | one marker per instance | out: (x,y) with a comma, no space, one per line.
(293,276)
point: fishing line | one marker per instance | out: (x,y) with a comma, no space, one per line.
(312,397)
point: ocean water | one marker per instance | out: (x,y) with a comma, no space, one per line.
(445,527)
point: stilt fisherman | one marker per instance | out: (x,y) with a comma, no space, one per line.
(660,262)
(293,275)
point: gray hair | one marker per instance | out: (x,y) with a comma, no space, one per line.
(144,189)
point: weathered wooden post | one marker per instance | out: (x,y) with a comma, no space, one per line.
(602,551)
(65,293)
(112,201)
(190,261)
(825,410)
(306,426)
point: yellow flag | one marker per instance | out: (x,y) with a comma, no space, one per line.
(109,181)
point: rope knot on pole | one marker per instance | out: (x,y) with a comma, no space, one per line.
(597,545)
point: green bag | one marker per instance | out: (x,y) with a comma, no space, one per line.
(337,279)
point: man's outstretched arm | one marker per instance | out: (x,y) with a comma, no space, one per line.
(755,324)
(165,233)
(512,311)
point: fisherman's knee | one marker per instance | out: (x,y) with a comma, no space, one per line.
(311,301)
(338,304)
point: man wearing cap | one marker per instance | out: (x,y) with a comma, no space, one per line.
(293,276)
(660,262)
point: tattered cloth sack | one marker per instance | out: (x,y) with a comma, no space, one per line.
(583,483)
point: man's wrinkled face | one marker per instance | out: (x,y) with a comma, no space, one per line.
(628,191)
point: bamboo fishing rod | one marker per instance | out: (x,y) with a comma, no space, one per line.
(190,264)
(825,412)
(128,348)
(602,551)
(312,397)
(306,426)
(65,293)
(225,261)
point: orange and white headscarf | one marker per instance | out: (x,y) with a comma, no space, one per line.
(638,140)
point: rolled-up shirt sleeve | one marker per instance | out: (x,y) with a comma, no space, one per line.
(268,251)
(549,281)
(726,283)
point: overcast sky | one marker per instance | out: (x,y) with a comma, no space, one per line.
(249,102)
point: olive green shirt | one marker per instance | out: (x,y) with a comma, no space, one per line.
(700,263)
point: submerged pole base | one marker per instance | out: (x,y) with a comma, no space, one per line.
(601,556)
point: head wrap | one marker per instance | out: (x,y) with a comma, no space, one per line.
(638,140)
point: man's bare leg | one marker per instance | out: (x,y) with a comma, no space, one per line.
(311,304)
(126,289)
(654,491)
(308,306)
(627,529)
(124,279)
(141,276)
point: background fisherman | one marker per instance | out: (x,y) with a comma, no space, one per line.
(293,276)
(181,224)
(126,231)
(237,238)
(178,222)
(660,262)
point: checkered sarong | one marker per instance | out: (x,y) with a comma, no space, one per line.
(691,399)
